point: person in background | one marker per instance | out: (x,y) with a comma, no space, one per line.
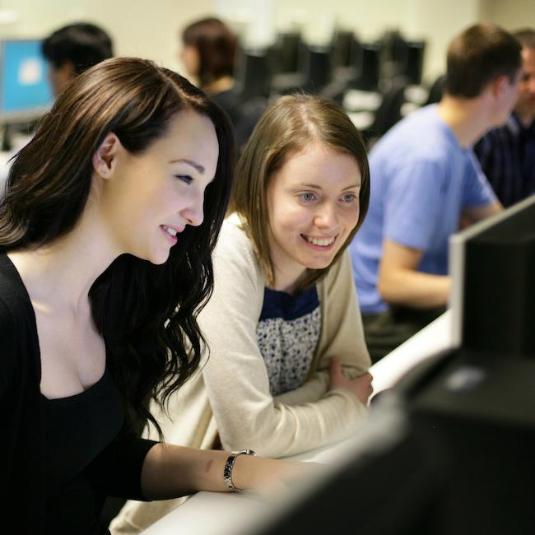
(425,180)
(507,154)
(209,53)
(72,49)
(68,51)
(106,232)
(288,364)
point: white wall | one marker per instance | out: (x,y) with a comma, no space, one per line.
(150,28)
(512,15)
(147,28)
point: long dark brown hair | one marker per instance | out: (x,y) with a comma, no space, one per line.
(146,313)
(286,128)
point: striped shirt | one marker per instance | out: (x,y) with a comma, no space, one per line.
(507,157)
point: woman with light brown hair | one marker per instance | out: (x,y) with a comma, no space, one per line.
(288,364)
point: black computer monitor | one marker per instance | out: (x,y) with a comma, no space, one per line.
(317,69)
(493,270)
(253,74)
(368,67)
(287,51)
(344,49)
(414,62)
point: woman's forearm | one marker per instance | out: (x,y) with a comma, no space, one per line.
(171,471)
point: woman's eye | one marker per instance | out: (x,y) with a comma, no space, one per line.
(307,196)
(349,198)
(185,178)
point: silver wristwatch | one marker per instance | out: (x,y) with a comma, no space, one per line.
(229,466)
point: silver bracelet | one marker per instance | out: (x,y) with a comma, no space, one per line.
(229,466)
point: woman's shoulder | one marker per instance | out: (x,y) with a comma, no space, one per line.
(233,241)
(16,312)
(234,256)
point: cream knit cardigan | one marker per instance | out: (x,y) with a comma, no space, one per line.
(230,394)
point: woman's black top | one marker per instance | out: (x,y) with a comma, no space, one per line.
(59,458)
(78,428)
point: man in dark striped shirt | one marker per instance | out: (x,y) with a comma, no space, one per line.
(507,154)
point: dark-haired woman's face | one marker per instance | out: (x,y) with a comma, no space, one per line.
(153,196)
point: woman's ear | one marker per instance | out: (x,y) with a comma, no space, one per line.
(105,157)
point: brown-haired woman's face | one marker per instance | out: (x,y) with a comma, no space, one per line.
(313,205)
(151,197)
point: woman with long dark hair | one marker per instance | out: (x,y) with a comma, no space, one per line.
(106,231)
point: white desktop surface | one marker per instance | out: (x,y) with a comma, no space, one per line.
(212,513)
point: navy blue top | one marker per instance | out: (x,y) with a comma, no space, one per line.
(507,156)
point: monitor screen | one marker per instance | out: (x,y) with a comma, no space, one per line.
(492,265)
(25,93)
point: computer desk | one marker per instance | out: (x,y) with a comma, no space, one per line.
(212,513)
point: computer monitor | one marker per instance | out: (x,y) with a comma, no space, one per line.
(369,62)
(25,93)
(316,68)
(492,265)
(414,63)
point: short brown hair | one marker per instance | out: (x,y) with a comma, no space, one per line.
(216,46)
(287,127)
(477,56)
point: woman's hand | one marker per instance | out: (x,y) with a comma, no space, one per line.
(360,386)
(261,473)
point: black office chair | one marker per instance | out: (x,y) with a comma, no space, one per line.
(389,111)
(436,90)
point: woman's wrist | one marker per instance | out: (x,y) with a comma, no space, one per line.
(228,470)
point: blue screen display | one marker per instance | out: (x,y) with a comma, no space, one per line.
(23,77)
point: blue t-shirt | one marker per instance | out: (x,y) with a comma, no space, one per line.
(421,180)
(287,334)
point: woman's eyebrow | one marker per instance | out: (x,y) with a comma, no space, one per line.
(193,164)
(316,186)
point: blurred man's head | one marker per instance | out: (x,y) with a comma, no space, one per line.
(485,60)
(525,106)
(72,49)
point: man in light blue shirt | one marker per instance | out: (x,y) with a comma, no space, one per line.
(425,180)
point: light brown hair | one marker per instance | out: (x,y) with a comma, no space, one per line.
(287,127)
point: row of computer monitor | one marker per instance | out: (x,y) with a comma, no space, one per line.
(25,92)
